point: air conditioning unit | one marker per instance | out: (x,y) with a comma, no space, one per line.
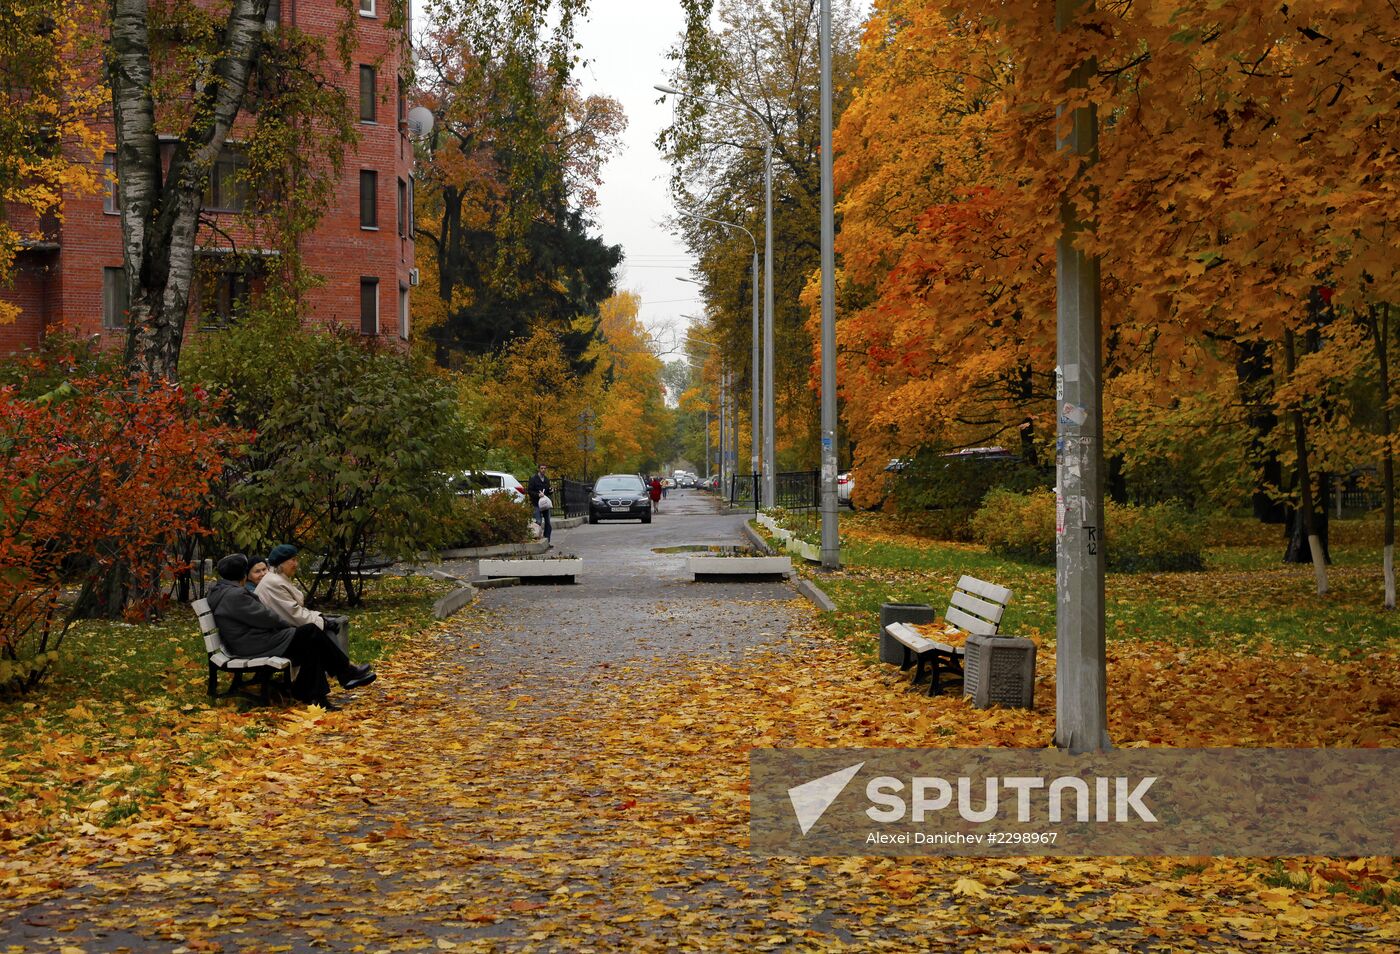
(413,277)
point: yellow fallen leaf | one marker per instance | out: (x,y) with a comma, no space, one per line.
(969,888)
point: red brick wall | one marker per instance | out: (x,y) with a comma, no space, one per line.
(67,291)
(29,292)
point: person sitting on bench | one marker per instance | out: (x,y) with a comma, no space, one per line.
(279,594)
(249,629)
(257,569)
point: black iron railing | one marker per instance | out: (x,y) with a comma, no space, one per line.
(800,494)
(573,498)
(799,490)
(743,492)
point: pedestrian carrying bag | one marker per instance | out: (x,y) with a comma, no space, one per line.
(546,503)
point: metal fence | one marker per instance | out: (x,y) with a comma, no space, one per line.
(743,492)
(573,498)
(798,491)
(1363,501)
(800,494)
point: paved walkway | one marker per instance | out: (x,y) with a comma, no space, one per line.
(635,603)
(451,801)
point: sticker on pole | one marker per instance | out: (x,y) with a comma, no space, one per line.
(1073,414)
(1059,514)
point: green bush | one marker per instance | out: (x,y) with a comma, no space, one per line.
(353,445)
(942,492)
(1021,526)
(1161,537)
(485,521)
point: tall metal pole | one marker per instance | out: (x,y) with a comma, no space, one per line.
(770,443)
(756,371)
(707,443)
(770,458)
(1081,698)
(755,400)
(723,425)
(831,539)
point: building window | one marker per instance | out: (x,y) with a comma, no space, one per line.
(367,105)
(402,204)
(109,173)
(366,8)
(114,298)
(369,199)
(223,295)
(369,306)
(403,312)
(400,102)
(227,192)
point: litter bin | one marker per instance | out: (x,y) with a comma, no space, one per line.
(999,670)
(917,613)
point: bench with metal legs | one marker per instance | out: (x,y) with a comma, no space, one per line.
(975,609)
(260,671)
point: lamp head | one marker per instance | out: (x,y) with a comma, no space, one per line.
(667,89)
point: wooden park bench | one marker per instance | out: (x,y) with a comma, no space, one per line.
(976,608)
(263,668)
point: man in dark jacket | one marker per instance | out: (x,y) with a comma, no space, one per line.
(540,486)
(249,629)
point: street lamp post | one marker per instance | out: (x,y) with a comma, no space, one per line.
(755,428)
(831,539)
(722,404)
(770,459)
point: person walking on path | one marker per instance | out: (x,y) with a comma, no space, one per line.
(654,492)
(541,492)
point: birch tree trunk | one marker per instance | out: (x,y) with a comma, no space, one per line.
(1305,502)
(160,214)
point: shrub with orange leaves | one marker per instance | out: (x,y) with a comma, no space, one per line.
(99,477)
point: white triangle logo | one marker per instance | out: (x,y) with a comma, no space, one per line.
(810,800)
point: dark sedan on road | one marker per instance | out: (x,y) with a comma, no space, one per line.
(619,497)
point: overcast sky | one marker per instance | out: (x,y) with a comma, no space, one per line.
(625,43)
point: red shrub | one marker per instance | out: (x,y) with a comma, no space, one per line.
(98,479)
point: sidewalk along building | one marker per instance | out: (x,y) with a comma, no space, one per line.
(68,274)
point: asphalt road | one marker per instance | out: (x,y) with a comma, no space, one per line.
(634,603)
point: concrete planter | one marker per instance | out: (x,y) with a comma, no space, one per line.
(914,613)
(533,571)
(810,552)
(721,569)
(501,550)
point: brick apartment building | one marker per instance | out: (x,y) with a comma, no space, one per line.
(69,275)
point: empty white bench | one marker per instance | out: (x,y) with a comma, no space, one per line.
(976,608)
(264,668)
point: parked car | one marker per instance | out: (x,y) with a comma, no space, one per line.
(487,482)
(619,497)
(845,483)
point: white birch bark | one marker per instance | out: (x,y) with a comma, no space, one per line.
(160,219)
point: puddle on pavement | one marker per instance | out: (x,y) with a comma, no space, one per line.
(711,550)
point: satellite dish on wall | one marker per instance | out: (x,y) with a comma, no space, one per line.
(420,122)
